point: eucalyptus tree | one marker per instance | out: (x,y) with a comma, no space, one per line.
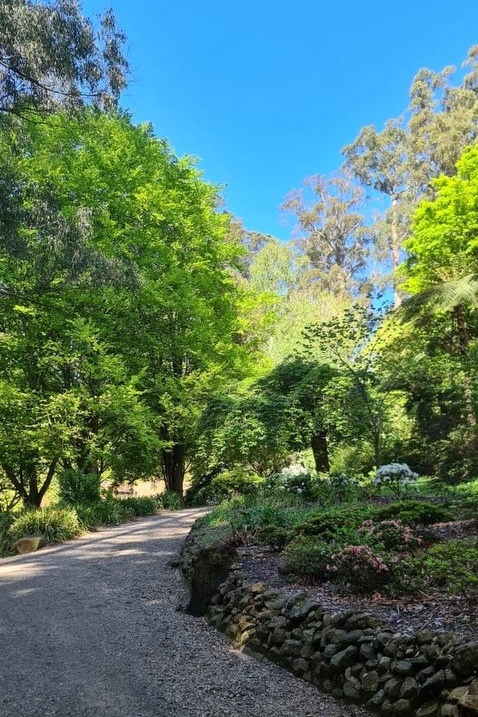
(53,56)
(332,231)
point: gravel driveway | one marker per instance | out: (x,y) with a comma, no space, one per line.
(90,629)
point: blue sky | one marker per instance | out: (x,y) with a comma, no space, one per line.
(267,92)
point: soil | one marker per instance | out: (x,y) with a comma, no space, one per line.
(433,610)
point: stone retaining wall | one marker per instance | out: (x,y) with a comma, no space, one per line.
(353,655)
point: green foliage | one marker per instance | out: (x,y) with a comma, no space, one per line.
(449,566)
(137,507)
(414,512)
(328,524)
(215,488)
(170,500)
(55,525)
(104,512)
(77,487)
(390,534)
(454,566)
(308,557)
(359,569)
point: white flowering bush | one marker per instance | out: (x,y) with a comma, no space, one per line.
(396,476)
(294,479)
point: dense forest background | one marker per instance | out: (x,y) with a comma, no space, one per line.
(144,332)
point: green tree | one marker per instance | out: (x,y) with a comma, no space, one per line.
(173,312)
(441,270)
(51,56)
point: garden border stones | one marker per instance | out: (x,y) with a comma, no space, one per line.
(353,655)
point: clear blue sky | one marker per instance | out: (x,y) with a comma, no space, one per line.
(267,92)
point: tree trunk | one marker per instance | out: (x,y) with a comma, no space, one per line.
(174,462)
(320,450)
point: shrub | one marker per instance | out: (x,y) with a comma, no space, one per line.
(328,524)
(169,500)
(391,534)
(454,566)
(54,524)
(77,487)
(307,556)
(451,565)
(359,569)
(396,476)
(223,485)
(136,507)
(295,480)
(273,536)
(414,512)
(104,512)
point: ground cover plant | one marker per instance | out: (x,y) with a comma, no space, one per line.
(371,545)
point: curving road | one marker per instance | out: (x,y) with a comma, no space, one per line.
(91,629)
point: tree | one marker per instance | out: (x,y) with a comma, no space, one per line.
(336,238)
(169,312)
(51,56)
(379,160)
(443,249)
(351,346)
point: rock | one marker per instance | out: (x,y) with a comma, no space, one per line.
(370,681)
(465,661)
(457,693)
(292,648)
(362,622)
(429,710)
(344,658)
(473,689)
(433,685)
(278,636)
(28,544)
(351,689)
(210,568)
(449,711)
(367,651)
(469,704)
(403,668)
(409,688)
(376,701)
(300,666)
(402,707)
(392,687)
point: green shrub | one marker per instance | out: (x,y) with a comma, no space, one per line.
(77,487)
(307,556)
(54,524)
(223,485)
(273,536)
(137,507)
(328,524)
(359,569)
(414,512)
(454,566)
(451,566)
(169,500)
(103,512)
(391,535)
(6,520)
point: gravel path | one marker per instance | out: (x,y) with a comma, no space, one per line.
(91,629)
